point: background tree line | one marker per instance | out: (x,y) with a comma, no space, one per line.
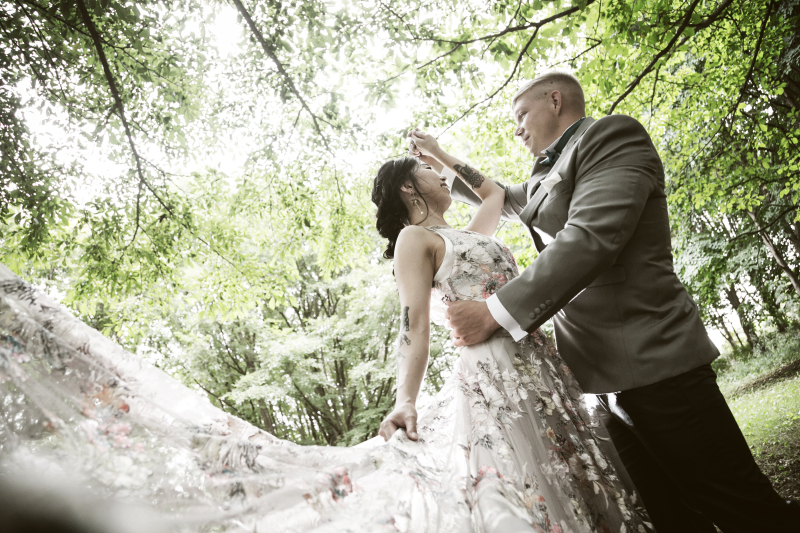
(191,177)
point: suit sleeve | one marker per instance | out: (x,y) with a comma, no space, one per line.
(617,171)
(516,197)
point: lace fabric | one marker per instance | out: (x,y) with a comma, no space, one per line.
(506,445)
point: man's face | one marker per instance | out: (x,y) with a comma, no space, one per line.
(537,121)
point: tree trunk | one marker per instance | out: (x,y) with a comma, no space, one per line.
(266,416)
(312,424)
(776,253)
(747,324)
(792,233)
(720,321)
(771,305)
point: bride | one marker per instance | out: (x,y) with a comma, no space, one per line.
(533,462)
(507,444)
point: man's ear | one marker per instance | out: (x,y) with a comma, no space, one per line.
(556,101)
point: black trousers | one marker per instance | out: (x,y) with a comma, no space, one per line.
(689,460)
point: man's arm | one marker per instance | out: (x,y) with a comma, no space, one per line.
(618,169)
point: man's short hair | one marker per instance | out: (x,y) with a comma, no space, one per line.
(562,81)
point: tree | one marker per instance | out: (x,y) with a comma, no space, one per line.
(318,370)
(230,227)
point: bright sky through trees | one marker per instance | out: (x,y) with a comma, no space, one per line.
(193,177)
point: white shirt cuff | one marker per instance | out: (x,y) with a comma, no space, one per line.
(449,175)
(504,318)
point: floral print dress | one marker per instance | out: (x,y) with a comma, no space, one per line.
(506,446)
(534,460)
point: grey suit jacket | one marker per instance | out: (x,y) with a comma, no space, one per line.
(622,318)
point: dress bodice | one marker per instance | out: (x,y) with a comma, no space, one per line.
(474,267)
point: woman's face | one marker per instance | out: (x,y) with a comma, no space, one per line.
(433,188)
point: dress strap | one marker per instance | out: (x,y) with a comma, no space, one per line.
(449,258)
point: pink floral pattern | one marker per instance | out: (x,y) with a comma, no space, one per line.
(506,445)
(527,435)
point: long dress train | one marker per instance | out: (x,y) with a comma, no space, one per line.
(507,444)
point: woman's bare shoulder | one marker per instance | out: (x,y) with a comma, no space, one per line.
(416,241)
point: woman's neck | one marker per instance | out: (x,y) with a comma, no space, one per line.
(432,219)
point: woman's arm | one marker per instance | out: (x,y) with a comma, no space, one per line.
(414,268)
(487,217)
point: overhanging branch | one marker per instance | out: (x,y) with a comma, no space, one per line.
(750,70)
(522,27)
(536,27)
(281,70)
(120,109)
(666,50)
(508,80)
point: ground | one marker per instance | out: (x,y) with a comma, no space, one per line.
(763,391)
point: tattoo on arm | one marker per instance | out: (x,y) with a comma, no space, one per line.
(470,175)
(405,325)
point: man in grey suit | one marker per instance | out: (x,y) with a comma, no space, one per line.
(596,209)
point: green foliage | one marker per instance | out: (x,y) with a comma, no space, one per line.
(206,199)
(775,350)
(768,414)
(319,370)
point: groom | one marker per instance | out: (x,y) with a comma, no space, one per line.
(597,212)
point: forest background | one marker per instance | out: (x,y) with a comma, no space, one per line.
(192,177)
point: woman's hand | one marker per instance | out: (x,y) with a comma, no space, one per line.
(426,144)
(403,416)
(413,151)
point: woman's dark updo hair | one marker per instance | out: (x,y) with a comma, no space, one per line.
(392,213)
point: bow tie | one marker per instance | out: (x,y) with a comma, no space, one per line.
(553,155)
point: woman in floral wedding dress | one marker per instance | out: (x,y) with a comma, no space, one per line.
(532,458)
(507,445)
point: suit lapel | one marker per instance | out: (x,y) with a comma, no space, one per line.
(539,194)
(536,194)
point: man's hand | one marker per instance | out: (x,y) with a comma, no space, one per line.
(403,416)
(471,322)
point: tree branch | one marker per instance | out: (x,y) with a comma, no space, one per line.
(776,254)
(536,25)
(219,399)
(409,29)
(573,58)
(510,20)
(653,95)
(137,225)
(333,423)
(749,75)
(120,108)
(522,27)
(434,60)
(733,110)
(632,85)
(764,228)
(124,50)
(508,80)
(281,70)
(712,17)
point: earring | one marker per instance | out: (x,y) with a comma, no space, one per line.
(415,203)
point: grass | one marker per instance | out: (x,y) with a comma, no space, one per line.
(763,391)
